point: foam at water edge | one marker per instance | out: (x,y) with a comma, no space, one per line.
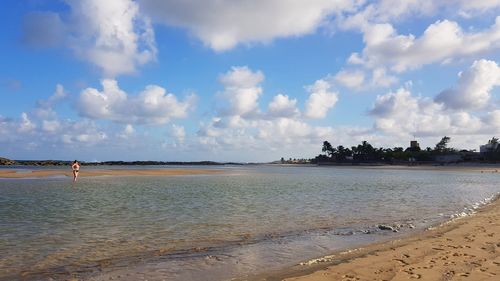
(328,258)
(472,209)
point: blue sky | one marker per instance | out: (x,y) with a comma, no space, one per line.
(244,80)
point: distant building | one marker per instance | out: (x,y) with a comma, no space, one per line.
(414,144)
(487,148)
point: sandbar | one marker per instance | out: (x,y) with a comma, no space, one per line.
(463,249)
(105,172)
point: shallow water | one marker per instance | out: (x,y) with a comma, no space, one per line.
(248,220)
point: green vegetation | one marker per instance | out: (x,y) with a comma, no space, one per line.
(441,153)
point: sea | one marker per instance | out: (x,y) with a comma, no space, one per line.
(245,221)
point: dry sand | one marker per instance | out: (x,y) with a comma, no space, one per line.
(463,249)
(105,172)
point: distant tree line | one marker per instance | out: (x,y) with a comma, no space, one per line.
(365,152)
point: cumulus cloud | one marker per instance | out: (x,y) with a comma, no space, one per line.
(264,134)
(27,132)
(152,106)
(241,90)
(350,78)
(44,109)
(320,100)
(362,79)
(402,114)
(473,89)
(221,25)
(112,35)
(25,124)
(51,126)
(84,132)
(468,8)
(441,41)
(493,119)
(384,11)
(283,106)
(284,130)
(282,126)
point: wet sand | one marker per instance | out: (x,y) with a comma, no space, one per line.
(105,172)
(464,249)
(464,167)
(472,168)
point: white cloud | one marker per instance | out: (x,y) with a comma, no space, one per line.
(380,78)
(152,106)
(402,114)
(441,41)
(280,128)
(493,119)
(387,11)
(320,100)
(395,104)
(112,35)
(473,90)
(241,90)
(223,24)
(25,125)
(50,125)
(24,133)
(127,132)
(45,108)
(283,106)
(363,79)
(350,78)
(283,130)
(468,7)
(129,129)
(178,132)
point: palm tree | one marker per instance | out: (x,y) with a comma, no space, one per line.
(327,148)
(342,153)
(441,146)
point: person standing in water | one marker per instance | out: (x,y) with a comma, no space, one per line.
(76,169)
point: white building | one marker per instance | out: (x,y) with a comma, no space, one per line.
(490,147)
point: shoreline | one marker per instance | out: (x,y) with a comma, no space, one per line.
(48,173)
(26,172)
(465,247)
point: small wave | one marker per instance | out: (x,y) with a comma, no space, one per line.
(469,210)
(328,258)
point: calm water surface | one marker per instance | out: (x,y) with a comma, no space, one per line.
(249,220)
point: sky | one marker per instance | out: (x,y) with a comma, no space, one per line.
(244,80)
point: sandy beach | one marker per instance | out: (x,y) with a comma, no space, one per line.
(105,172)
(463,249)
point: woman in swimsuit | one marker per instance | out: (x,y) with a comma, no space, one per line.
(76,168)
